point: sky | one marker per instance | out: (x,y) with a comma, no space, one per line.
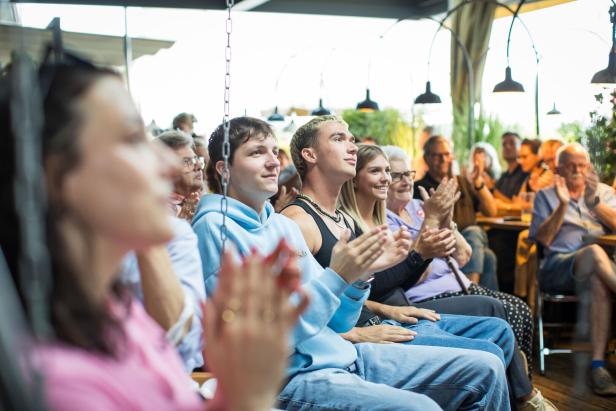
(298,51)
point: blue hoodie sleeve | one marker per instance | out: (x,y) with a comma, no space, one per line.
(210,244)
(331,300)
(337,305)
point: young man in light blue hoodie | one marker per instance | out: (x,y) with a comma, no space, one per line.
(326,371)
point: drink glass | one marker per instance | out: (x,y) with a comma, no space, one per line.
(527,206)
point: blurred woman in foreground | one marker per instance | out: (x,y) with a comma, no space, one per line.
(107,188)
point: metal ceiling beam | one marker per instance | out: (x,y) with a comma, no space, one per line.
(356,8)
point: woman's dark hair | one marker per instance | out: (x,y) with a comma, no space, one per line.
(75,319)
(241,129)
(533,144)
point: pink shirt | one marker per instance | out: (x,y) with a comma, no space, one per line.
(148,375)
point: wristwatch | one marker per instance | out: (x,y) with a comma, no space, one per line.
(595,202)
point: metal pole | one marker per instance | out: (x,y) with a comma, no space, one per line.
(128,49)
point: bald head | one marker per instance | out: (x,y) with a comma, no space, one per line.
(564,153)
(573,163)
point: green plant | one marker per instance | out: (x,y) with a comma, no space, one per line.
(600,140)
(570,132)
(385,126)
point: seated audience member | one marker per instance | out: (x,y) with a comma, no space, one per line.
(441,280)
(106,191)
(201,152)
(475,197)
(548,153)
(486,161)
(400,324)
(184,122)
(327,371)
(289,185)
(364,198)
(168,280)
(284,159)
(510,182)
(526,251)
(188,184)
(539,174)
(576,206)
(419,164)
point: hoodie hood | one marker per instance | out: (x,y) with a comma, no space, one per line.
(243,215)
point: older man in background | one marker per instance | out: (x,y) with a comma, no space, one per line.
(475,197)
(188,184)
(565,215)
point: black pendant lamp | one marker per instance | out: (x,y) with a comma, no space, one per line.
(320,111)
(428,97)
(508,85)
(275,116)
(607,76)
(368,105)
(554,111)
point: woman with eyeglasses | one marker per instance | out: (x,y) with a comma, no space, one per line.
(107,189)
(444,279)
(383,180)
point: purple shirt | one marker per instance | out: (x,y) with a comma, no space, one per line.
(440,278)
(147,376)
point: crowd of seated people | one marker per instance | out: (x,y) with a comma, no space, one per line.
(356,287)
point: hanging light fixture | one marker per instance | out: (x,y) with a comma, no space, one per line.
(607,76)
(428,97)
(368,105)
(509,85)
(554,111)
(275,116)
(320,111)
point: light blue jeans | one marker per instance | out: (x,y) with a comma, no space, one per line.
(492,335)
(483,260)
(387,377)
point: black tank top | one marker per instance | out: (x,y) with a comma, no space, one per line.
(328,239)
(324,255)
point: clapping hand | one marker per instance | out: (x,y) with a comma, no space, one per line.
(247,324)
(353,259)
(439,205)
(562,192)
(434,243)
(395,250)
(592,182)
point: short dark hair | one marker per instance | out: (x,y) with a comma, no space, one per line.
(510,133)
(533,144)
(183,118)
(176,140)
(241,129)
(432,141)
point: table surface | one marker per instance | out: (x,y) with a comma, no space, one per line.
(608,239)
(503,223)
(518,225)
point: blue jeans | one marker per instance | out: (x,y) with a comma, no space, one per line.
(483,260)
(488,334)
(389,377)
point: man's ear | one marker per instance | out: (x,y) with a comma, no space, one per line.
(219,167)
(309,155)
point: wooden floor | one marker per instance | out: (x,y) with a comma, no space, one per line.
(565,383)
